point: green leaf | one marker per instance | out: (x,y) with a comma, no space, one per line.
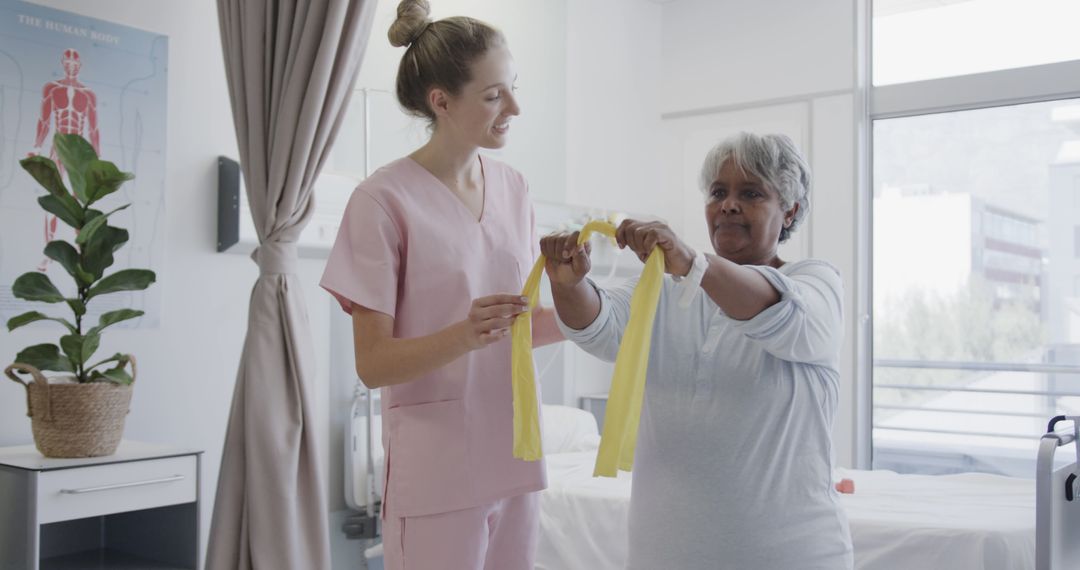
(91,342)
(72,346)
(90,216)
(45,172)
(116,375)
(80,347)
(78,185)
(88,230)
(63,253)
(74,150)
(102,179)
(97,253)
(119,237)
(67,256)
(122,359)
(65,208)
(25,319)
(84,277)
(113,317)
(75,154)
(77,306)
(123,280)
(45,357)
(35,286)
(93,225)
(34,316)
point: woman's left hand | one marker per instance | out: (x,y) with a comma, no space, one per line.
(642,237)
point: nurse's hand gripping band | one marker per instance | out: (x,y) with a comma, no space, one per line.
(623,410)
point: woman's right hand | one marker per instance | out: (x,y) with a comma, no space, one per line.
(567,262)
(490,319)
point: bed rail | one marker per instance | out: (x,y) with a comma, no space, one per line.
(360,442)
(1057,518)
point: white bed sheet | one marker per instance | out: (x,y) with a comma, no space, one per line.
(582,518)
(961,522)
(898,522)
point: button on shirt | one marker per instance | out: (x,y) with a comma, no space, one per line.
(733,467)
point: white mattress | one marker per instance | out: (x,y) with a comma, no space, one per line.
(582,518)
(898,522)
(970,521)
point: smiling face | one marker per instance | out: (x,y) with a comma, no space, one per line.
(744,217)
(481,113)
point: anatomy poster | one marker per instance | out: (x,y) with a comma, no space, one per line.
(65,73)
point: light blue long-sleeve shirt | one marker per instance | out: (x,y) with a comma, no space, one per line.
(733,467)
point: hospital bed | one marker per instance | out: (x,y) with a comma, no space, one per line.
(960,522)
(969,521)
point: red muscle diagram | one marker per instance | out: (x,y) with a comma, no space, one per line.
(72,108)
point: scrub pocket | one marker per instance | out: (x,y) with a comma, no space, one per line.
(428,470)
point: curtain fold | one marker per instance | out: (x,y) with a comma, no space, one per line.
(290,68)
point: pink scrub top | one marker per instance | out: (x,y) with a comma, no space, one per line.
(409,248)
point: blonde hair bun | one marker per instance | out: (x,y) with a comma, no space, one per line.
(412,20)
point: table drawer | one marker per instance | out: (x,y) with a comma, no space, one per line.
(67,494)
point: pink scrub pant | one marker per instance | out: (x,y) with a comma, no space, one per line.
(496,536)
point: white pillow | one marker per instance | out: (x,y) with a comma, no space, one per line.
(564,429)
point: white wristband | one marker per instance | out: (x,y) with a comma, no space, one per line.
(691,282)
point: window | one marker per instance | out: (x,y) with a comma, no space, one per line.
(921,39)
(975,341)
(962,325)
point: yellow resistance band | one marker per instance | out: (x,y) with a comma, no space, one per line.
(623,410)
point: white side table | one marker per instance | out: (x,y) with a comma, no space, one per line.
(137,508)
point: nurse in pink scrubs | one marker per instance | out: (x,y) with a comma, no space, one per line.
(430,259)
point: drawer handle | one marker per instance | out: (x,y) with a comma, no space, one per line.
(122,485)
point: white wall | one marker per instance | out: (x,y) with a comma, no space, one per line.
(613,92)
(721,52)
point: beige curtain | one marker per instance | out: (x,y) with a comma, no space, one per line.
(290,67)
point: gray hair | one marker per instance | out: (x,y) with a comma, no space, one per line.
(774,159)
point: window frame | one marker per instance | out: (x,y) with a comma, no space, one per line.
(1033,84)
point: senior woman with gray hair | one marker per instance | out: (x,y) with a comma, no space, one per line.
(733,467)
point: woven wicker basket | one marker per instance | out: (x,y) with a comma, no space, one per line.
(71,419)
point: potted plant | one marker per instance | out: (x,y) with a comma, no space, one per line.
(81,413)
